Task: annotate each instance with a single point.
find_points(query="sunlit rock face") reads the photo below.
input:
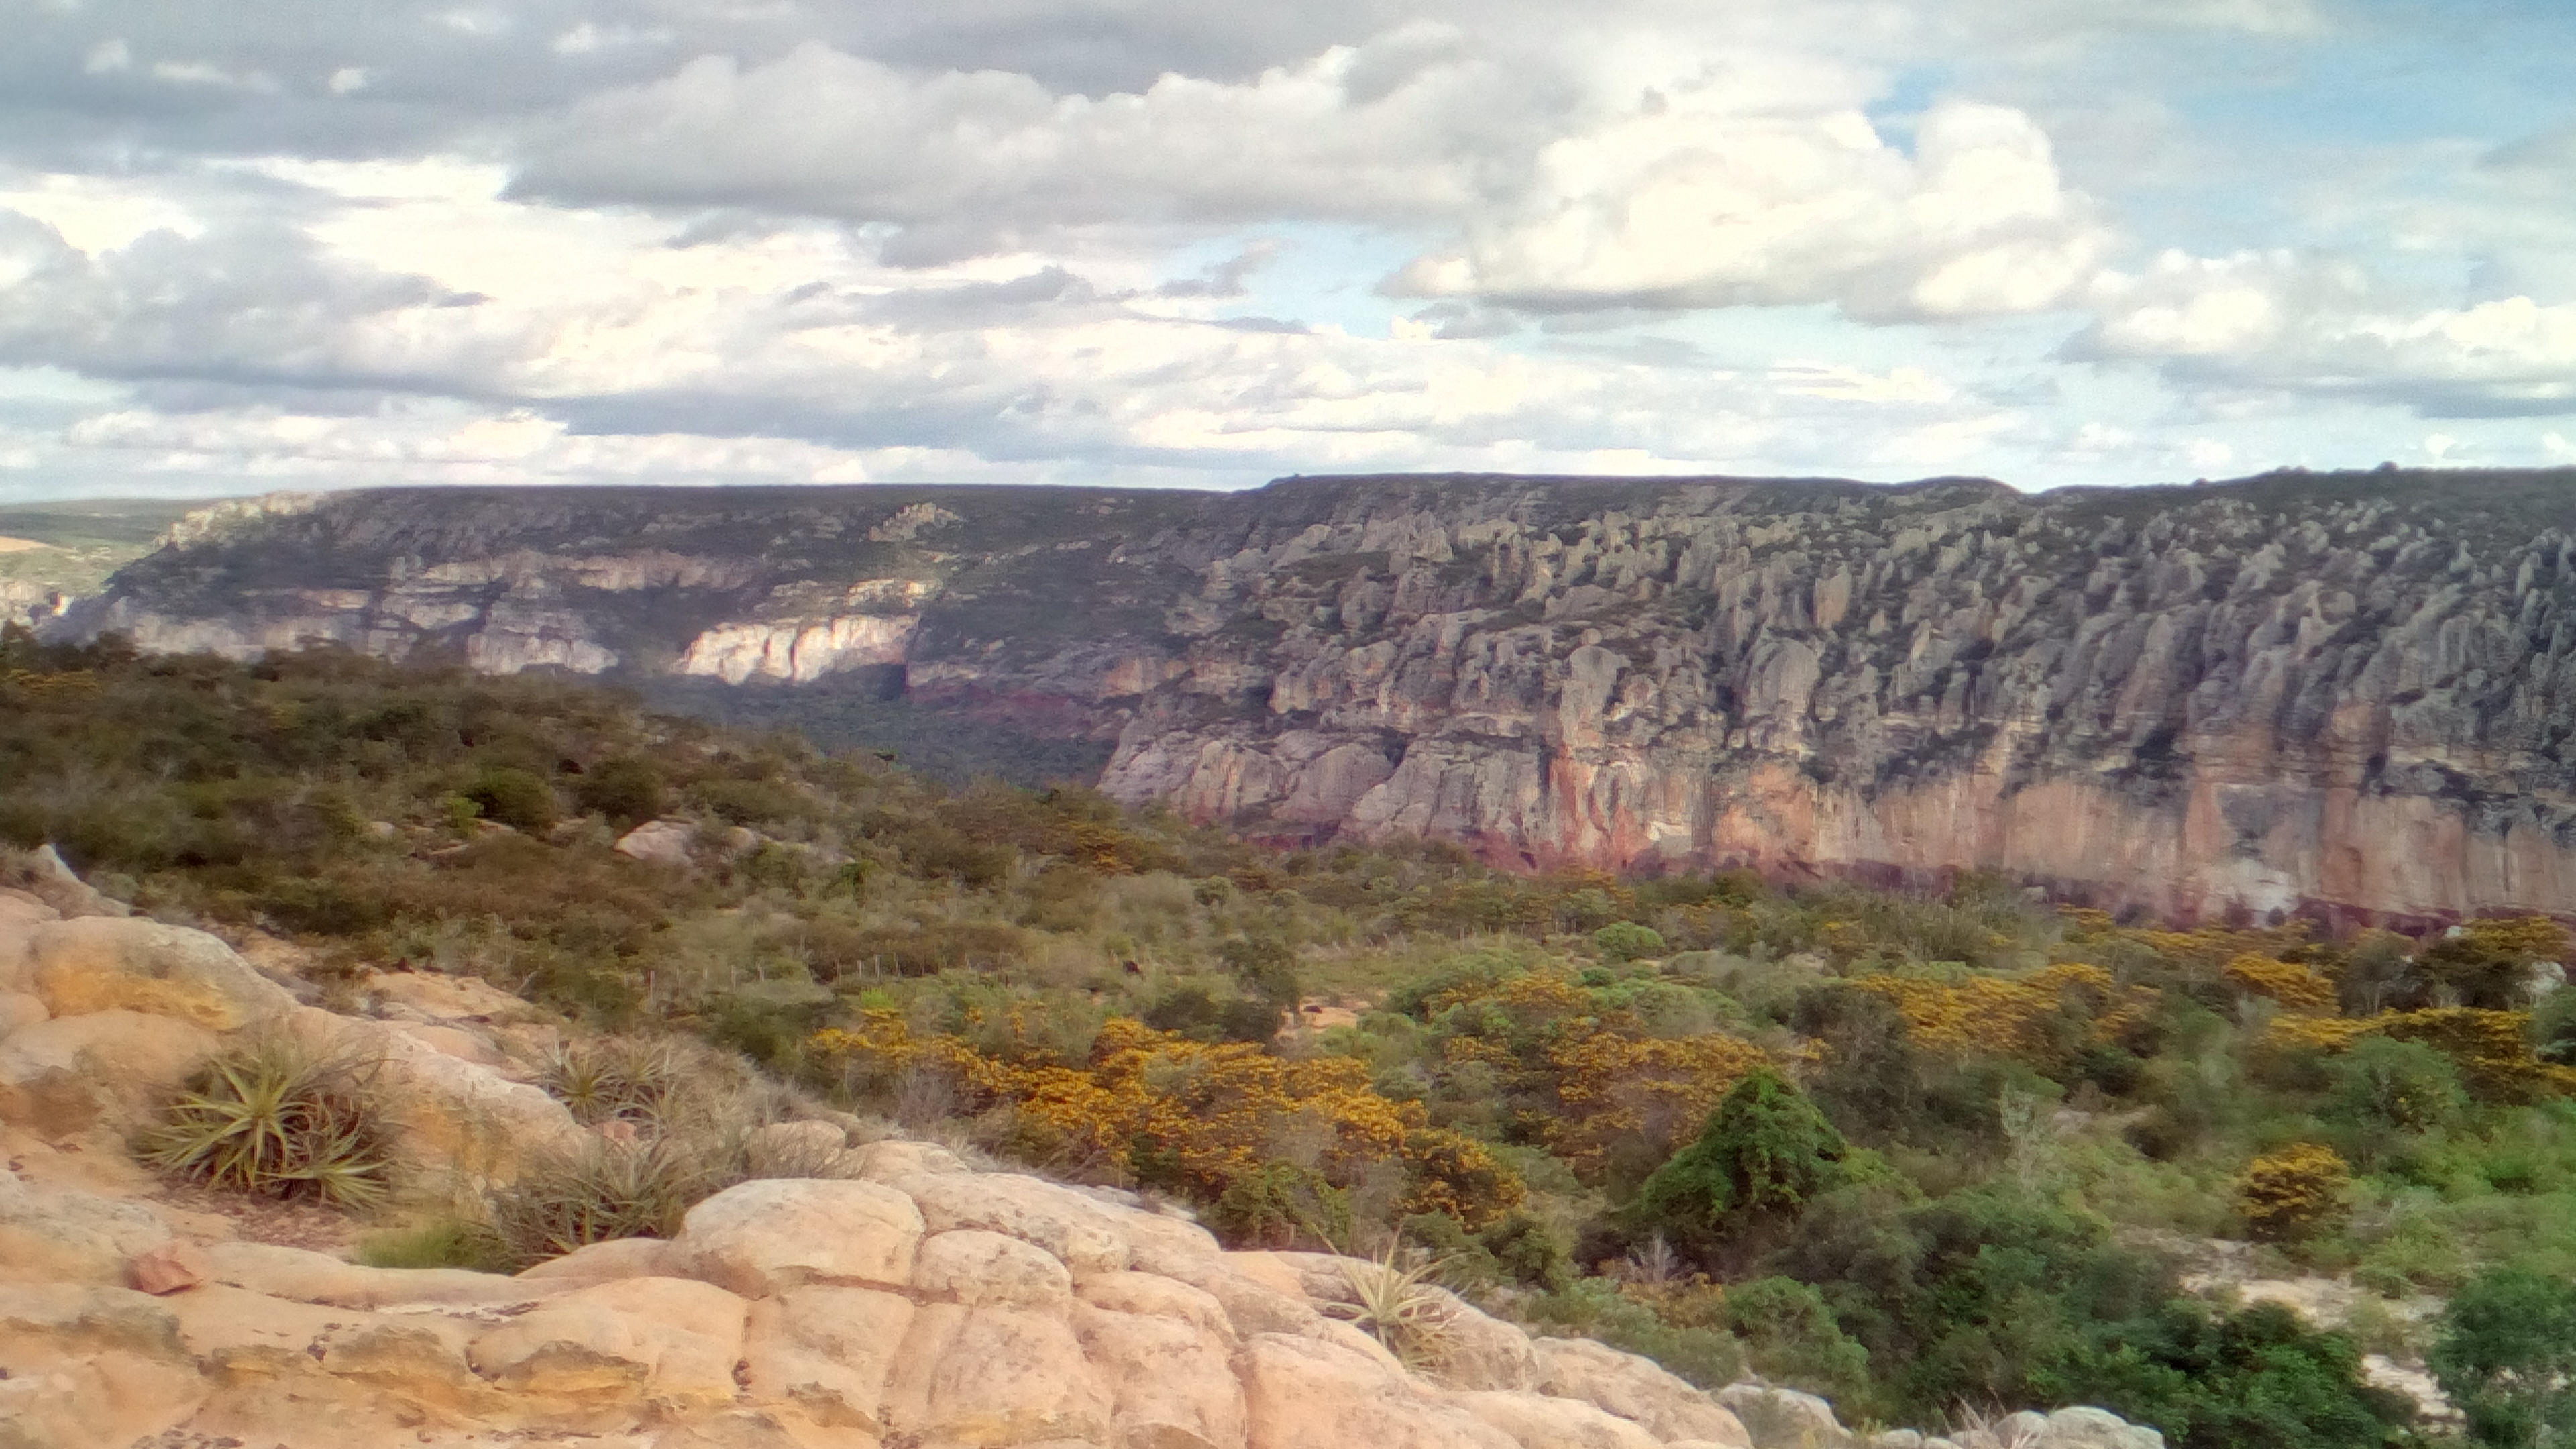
(2299, 691)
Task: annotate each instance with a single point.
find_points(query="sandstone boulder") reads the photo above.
(107, 1068)
(1156, 1296)
(42, 876)
(983, 1269)
(970, 1376)
(1784, 1417)
(895, 1159)
(1536, 1421)
(800, 1149)
(1082, 1233)
(20, 1009)
(106, 963)
(1170, 1376)
(661, 842)
(1635, 1389)
(772, 1234)
(448, 1115)
(2090, 1428)
(829, 1350)
(62, 1235)
(674, 1341)
(1304, 1392)
(600, 1262)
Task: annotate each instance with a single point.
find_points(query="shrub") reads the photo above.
(275, 1119)
(1789, 1335)
(514, 798)
(1762, 1156)
(2400, 1086)
(1593, 1308)
(625, 789)
(1627, 941)
(2293, 1193)
(2213, 1380)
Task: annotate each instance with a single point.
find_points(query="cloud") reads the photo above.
(967, 161)
(1691, 201)
(2284, 320)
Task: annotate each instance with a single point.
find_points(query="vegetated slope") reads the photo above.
(1896, 1148)
(2342, 692)
(54, 553)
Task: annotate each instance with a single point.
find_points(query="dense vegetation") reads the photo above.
(1930, 1155)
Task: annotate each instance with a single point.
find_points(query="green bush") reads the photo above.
(1763, 1155)
(627, 790)
(1627, 941)
(2506, 1356)
(1790, 1337)
(2379, 1083)
(514, 798)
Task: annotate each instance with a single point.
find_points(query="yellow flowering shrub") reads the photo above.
(2493, 1048)
(1205, 1116)
(1619, 1089)
(2210, 949)
(2296, 987)
(1595, 1081)
(2031, 1017)
(2293, 1192)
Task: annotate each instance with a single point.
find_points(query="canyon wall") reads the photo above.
(2348, 692)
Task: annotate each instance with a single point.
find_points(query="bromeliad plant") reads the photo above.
(276, 1119)
(1401, 1307)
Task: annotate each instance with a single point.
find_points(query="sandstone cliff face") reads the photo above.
(2341, 691)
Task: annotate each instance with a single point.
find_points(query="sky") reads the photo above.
(300, 244)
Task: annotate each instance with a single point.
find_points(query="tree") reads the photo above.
(2397, 1086)
(2507, 1358)
(1764, 1153)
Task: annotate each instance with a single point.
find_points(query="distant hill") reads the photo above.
(51, 553)
(2341, 692)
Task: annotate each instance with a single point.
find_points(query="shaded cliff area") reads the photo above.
(2348, 692)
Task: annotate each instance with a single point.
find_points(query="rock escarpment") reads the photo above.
(2353, 692)
(895, 1298)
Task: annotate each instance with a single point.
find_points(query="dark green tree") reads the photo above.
(1763, 1155)
(2507, 1358)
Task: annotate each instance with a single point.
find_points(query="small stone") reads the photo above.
(170, 1267)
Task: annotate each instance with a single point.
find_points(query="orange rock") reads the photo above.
(171, 1267)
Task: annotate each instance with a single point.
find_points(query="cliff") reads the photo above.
(2342, 692)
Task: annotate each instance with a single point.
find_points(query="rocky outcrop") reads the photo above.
(815, 1314)
(798, 651)
(102, 1017)
(2350, 692)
